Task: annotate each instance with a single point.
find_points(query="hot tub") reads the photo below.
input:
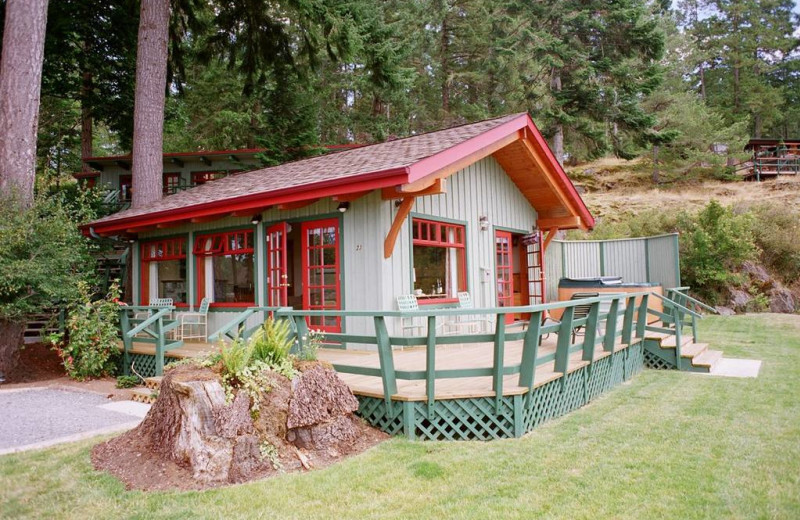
(607, 284)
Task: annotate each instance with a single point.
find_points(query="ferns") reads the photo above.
(272, 342)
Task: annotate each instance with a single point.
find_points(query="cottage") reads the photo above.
(347, 241)
(460, 210)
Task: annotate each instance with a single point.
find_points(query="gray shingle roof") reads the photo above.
(391, 155)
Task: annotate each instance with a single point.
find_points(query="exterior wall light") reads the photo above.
(343, 206)
(484, 223)
(256, 219)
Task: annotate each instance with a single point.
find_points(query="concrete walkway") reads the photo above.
(33, 418)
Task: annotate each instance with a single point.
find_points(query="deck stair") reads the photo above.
(674, 344)
(148, 393)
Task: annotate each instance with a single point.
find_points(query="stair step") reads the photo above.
(669, 342)
(707, 358)
(656, 335)
(153, 383)
(144, 395)
(693, 350)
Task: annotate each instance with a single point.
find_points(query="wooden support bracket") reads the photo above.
(559, 222)
(435, 187)
(399, 218)
(551, 233)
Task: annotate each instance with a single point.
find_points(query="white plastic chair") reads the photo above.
(471, 322)
(408, 303)
(197, 320)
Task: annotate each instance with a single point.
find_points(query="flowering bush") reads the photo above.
(90, 345)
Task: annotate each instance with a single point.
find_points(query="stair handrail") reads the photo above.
(693, 300)
(238, 320)
(160, 313)
(677, 305)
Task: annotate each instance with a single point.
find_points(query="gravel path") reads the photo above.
(33, 416)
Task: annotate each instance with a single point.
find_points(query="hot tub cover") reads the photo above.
(600, 281)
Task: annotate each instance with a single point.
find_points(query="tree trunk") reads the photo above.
(11, 339)
(20, 88)
(86, 112)
(558, 136)
(445, 42)
(656, 175)
(703, 82)
(87, 121)
(148, 112)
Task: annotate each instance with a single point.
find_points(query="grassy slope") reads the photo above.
(615, 187)
(666, 445)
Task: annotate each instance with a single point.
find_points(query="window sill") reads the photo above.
(436, 301)
(225, 305)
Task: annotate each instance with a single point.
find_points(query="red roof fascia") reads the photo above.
(365, 182)
(179, 154)
(561, 175)
(85, 175)
(447, 157)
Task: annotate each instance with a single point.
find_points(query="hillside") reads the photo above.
(615, 188)
(743, 255)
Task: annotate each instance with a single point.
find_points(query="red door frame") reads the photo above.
(308, 251)
(504, 271)
(277, 275)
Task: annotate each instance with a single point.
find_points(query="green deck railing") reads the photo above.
(601, 326)
(147, 324)
(237, 327)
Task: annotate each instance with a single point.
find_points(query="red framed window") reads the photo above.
(439, 268)
(125, 187)
(163, 270)
(172, 182)
(199, 178)
(226, 268)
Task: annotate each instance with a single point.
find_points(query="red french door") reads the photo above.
(277, 269)
(504, 270)
(321, 286)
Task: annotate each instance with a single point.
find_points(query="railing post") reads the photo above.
(627, 320)
(564, 341)
(590, 332)
(530, 351)
(302, 332)
(386, 361)
(678, 338)
(125, 326)
(499, 351)
(694, 329)
(641, 317)
(430, 365)
(159, 330)
(611, 326)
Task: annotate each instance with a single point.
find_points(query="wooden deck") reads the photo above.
(448, 357)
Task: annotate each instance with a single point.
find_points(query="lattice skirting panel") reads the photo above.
(145, 364)
(654, 361)
(485, 419)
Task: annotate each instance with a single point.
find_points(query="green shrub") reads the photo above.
(778, 237)
(714, 244)
(127, 381)
(89, 347)
(272, 341)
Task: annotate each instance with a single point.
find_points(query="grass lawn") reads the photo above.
(666, 445)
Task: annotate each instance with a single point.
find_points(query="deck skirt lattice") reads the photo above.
(481, 419)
